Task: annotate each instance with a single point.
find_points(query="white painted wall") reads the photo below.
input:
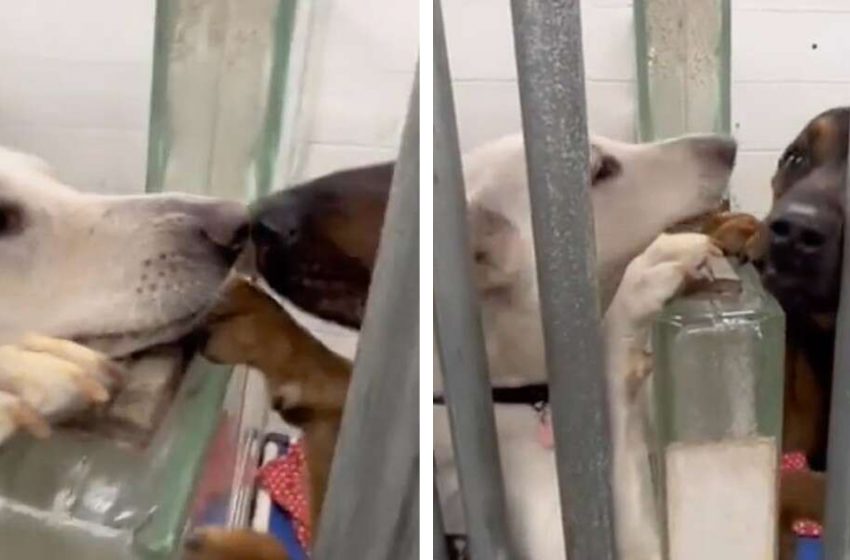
(779, 81)
(75, 87)
(76, 79)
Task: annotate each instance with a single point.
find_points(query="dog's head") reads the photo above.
(117, 273)
(317, 242)
(802, 261)
(637, 191)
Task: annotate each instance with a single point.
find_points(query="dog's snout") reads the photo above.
(279, 221)
(226, 225)
(720, 149)
(803, 236)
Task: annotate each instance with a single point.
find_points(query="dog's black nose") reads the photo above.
(278, 220)
(804, 237)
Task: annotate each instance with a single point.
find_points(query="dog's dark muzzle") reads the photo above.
(803, 260)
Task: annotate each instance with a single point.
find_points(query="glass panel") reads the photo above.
(683, 66)
(220, 69)
(82, 496)
(718, 385)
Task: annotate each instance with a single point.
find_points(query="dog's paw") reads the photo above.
(226, 544)
(45, 378)
(659, 273)
(737, 235)
(238, 328)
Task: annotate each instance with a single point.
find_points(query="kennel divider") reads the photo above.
(837, 520)
(459, 335)
(548, 42)
(440, 546)
(372, 505)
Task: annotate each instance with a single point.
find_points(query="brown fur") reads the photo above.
(338, 220)
(810, 333)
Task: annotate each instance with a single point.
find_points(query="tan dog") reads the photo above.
(316, 244)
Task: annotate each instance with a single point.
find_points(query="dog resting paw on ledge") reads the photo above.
(89, 279)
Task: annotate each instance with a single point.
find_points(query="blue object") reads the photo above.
(809, 548)
(281, 526)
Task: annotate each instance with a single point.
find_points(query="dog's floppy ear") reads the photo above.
(496, 250)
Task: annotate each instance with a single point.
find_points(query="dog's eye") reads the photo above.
(793, 160)
(11, 220)
(607, 168)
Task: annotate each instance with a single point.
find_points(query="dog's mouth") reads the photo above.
(120, 344)
(696, 222)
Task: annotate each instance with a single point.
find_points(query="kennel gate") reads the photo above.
(547, 37)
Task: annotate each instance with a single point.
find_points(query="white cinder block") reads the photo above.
(480, 40)
(361, 108)
(487, 110)
(92, 30)
(61, 93)
(353, 40)
(792, 5)
(321, 159)
(750, 185)
(97, 160)
(791, 46)
(767, 116)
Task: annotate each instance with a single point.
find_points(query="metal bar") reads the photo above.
(372, 505)
(460, 339)
(440, 550)
(837, 524)
(547, 37)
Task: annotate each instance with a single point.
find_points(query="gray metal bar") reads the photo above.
(837, 524)
(440, 550)
(547, 37)
(372, 506)
(460, 340)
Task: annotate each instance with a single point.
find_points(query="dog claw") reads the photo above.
(16, 414)
(28, 418)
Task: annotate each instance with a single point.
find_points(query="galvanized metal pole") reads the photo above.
(440, 550)
(837, 527)
(372, 506)
(547, 37)
(459, 336)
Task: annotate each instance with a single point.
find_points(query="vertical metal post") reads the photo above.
(547, 36)
(837, 529)
(371, 509)
(460, 339)
(440, 550)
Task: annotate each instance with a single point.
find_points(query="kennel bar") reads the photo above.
(372, 505)
(837, 522)
(440, 550)
(460, 339)
(548, 42)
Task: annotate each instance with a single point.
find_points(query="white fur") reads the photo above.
(659, 185)
(112, 274)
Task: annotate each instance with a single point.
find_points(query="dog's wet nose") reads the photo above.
(800, 234)
(721, 149)
(278, 220)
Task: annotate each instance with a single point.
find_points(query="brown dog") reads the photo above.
(798, 250)
(316, 245)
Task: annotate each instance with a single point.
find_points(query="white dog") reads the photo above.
(637, 192)
(90, 277)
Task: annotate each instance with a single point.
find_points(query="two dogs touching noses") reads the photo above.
(316, 245)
